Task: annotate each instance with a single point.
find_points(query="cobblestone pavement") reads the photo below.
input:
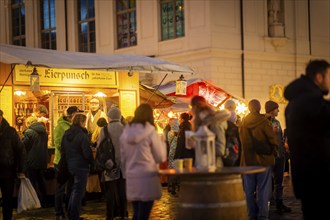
(163, 209)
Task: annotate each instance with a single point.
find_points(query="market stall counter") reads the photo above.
(212, 194)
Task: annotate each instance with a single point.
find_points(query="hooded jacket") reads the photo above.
(77, 149)
(261, 129)
(12, 151)
(308, 128)
(141, 151)
(115, 129)
(35, 139)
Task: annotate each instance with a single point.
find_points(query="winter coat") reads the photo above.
(61, 127)
(77, 150)
(12, 152)
(308, 128)
(35, 139)
(181, 150)
(216, 121)
(141, 151)
(115, 129)
(261, 128)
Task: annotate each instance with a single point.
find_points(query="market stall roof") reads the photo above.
(154, 97)
(11, 54)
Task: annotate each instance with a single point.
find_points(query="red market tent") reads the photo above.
(215, 95)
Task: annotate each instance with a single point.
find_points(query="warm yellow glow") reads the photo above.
(241, 108)
(19, 93)
(170, 114)
(100, 94)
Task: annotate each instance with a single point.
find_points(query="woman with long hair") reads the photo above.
(141, 151)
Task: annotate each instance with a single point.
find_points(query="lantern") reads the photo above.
(34, 81)
(181, 86)
(205, 149)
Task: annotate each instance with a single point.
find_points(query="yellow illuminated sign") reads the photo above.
(63, 77)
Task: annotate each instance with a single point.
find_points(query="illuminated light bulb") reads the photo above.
(19, 93)
(100, 94)
(241, 108)
(171, 114)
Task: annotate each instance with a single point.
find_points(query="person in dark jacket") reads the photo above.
(308, 127)
(258, 186)
(35, 139)
(79, 157)
(272, 110)
(181, 150)
(12, 162)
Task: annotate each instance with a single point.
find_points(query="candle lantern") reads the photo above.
(181, 86)
(205, 149)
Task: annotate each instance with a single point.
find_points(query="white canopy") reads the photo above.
(11, 54)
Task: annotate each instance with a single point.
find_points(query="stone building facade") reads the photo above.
(250, 48)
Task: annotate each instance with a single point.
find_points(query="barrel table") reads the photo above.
(212, 194)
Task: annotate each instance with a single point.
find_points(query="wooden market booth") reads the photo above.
(72, 78)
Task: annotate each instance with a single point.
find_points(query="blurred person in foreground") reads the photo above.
(79, 157)
(141, 151)
(63, 124)
(257, 129)
(12, 162)
(308, 127)
(216, 121)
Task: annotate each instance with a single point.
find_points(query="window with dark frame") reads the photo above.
(48, 24)
(126, 23)
(86, 26)
(172, 19)
(18, 22)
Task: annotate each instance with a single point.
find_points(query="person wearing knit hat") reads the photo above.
(114, 113)
(270, 106)
(256, 126)
(272, 111)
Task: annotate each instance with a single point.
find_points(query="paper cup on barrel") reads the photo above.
(187, 163)
(178, 164)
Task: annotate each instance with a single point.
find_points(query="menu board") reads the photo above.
(128, 99)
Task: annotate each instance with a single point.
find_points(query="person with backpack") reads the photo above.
(259, 148)
(108, 160)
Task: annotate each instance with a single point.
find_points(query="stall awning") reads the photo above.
(11, 54)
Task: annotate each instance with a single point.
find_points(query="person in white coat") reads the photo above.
(142, 150)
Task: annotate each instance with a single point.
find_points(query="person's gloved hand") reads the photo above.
(109, 164)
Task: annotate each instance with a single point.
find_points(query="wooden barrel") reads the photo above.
(212, 197)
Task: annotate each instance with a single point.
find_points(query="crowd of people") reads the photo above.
(128, 170)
